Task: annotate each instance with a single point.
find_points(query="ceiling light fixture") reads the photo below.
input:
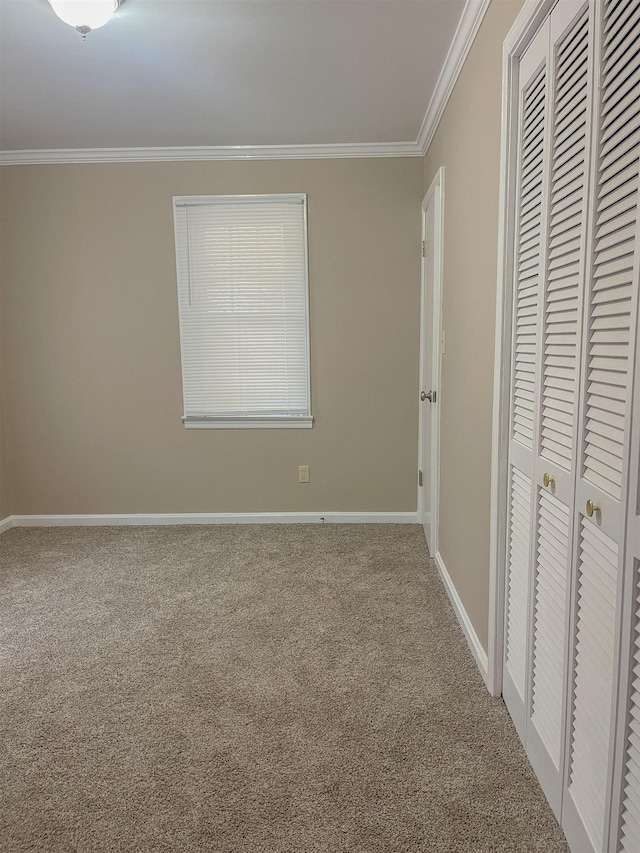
(85, 15)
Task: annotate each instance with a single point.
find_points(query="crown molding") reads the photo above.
(229, 152)
(472, 15)
(465, 34)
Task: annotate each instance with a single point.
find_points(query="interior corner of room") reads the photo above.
(473, 367)
(91, 377)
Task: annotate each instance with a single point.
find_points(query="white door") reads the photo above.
(571, 667)
(527, 290)
(625, 823)
(558, 377)
(430, 352)
(602, 489)
(571, 658)
(549, 268)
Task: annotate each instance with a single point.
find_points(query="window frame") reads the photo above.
(255, 420)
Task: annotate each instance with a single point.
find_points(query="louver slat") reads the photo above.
(609, 322)
(630, 821)
(616, 15)
(561, 315)
(527, 260)
(548, 628)
(517, 577)
(593, 679)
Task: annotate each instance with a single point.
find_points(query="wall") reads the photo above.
(91, 357)
(5, 499)
(467, 143)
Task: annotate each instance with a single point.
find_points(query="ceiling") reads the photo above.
(222, 73)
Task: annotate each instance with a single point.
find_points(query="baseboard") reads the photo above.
(6, 524)
(137, 519)
(474, 643)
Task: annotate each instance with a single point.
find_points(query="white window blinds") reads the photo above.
(243, 302)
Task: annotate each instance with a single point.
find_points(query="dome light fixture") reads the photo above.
(85, 15)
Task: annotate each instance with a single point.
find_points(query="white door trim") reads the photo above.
(520, 36)
(435, 193)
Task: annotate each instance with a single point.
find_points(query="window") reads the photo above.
(244, 310)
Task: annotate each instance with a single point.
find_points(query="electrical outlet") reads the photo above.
(303, 473)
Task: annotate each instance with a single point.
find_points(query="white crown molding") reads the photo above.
(472, 15)
(229, 152)
(465, 33)
(152, 519)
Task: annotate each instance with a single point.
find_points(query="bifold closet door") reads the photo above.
(602, 486)
(621, 156)
(527, 287)
(572, 588)
(625, 823)
(560, 324)
(549, 272)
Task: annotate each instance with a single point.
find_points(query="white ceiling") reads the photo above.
(222, 73)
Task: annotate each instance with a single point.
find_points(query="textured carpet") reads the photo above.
(244, 688)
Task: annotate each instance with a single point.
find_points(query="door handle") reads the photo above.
(430, 396)
(591, 508)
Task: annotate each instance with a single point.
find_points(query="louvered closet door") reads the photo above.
(605, 408)
(527, 287)
(570, 68)
(625, 823)
(625, 813)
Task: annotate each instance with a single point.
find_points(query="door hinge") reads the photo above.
(419, 478)
(424, 248)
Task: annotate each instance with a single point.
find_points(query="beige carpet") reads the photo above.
(274, 689)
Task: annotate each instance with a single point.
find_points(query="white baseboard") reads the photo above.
(137, 519)
(6, 524)
(474, 643)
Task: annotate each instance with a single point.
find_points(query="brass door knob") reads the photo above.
(591, 508)
(548, 480)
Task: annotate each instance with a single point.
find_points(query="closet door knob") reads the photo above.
(591, 508)
(548, 480)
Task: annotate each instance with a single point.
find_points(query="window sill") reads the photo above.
(273, 422)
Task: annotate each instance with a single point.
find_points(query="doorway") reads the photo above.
(431, 338)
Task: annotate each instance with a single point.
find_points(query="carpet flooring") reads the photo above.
(248, 689)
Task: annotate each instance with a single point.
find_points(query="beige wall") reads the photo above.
(90, 343)
(90, 346)
(467, 143)
(5, 497)
(5, 501)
